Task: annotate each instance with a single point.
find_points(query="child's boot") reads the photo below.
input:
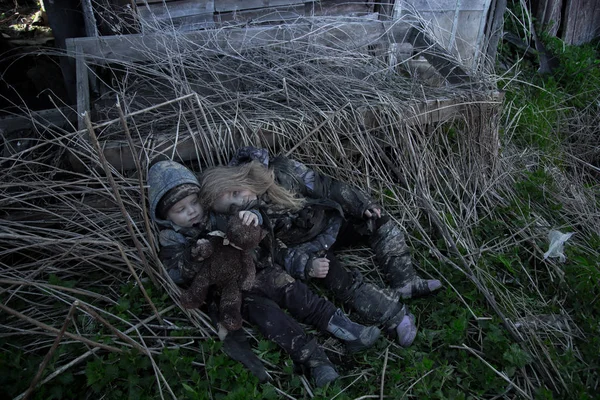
(406, 330)
(356, 337)
(313, 358)
(394, 258)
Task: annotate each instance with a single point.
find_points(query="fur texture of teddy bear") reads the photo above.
(227, 263)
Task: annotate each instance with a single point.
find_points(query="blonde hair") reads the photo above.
(251, 176)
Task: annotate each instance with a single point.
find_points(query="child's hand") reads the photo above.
(373, 211)
(248, 218)
(319, 268)
(201, 250)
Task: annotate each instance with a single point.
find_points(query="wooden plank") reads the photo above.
(582, 21)
(141, 3)
(237, 5)
(83, 88)
(348, 35)
(339, 8)
(52, 118)
(175, 9)
(440, 5)
(262, 16)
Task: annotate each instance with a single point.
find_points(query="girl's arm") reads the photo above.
(297, 259)
(295, 176)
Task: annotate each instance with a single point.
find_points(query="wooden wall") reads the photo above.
(575, 21)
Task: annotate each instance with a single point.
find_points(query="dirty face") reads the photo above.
(186, 212)
(230, 202)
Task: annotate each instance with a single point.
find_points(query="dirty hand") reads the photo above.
(248, 218)
(198, 252)
(319, 268)
(373, 211)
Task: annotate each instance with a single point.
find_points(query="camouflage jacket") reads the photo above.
(297, 238)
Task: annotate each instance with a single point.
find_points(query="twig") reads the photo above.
(138, 166)
(385, 361)
(53, 348)
(139, 282)
(308, 135)
(500, 374)
(118, 198)
(53, 329)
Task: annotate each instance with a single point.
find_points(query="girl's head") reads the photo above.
(227, 189)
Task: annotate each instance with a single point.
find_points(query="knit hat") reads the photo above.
(173, 196)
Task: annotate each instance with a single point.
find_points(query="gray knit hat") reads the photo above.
(173, 196)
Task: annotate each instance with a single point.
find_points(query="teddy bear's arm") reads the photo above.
(248, 272)
(202, 250)
(196, 294)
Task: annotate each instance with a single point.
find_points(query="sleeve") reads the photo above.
(175, 254)
(296, 259)
(295, 176)
(249, 153)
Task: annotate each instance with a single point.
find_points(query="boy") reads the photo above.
(174, 205)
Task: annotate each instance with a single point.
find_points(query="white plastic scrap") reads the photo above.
(557, 240)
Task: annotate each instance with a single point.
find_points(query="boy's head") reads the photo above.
(173, 194)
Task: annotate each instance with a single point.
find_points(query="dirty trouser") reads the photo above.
(372, 304)
(298, 299)
(278, 326)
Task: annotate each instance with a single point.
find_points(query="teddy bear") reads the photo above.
(227, 263)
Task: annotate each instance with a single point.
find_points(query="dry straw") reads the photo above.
(342, 111)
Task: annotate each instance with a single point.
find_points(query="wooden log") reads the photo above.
(132, 48)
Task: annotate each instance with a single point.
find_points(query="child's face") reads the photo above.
(186, 212)
(230, 202)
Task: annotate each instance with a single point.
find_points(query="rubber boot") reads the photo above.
(311, 357)
(375, 305)
(355, 336)
(393, 256)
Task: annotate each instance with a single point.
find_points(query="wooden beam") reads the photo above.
(55, 117)
(238, 5)
(83, 88)
(131, 48)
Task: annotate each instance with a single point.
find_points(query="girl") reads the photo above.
(309, 213)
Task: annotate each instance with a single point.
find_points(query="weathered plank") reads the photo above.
(56, 117)
(339, 8)
(582, 21)
(175, 9)
(441, 5)
(347, 35)
(83, 88)
(236, 5)
(262, 15)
